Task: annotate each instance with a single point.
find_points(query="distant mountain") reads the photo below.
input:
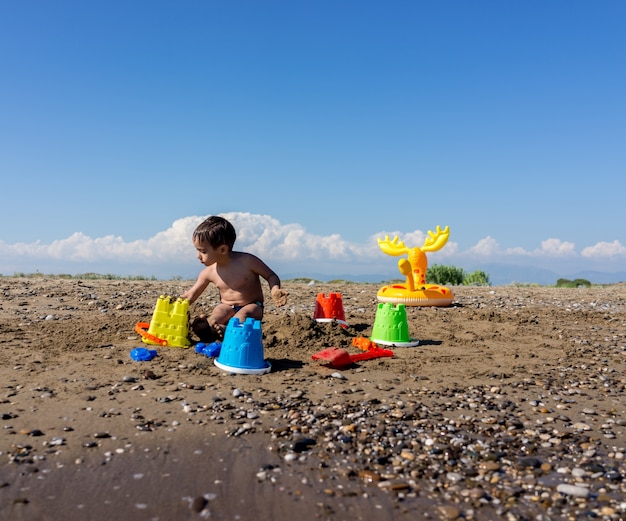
(499, 275)
(505, 274)
(370, 278)
(599, 277)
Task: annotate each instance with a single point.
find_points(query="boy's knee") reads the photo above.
(250, 311)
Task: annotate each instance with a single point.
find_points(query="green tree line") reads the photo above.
(451, 275)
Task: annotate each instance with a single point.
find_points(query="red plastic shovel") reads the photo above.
(338, 358)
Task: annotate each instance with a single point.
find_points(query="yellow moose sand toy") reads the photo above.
(415, 292)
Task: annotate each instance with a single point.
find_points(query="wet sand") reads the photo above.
(511, 406)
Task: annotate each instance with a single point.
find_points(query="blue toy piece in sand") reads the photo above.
(211, 350)
(141, 354)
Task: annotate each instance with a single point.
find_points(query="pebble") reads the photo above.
(454, 476)
(489, 466)
(572, 490)
(449, 512)
(302, 444)
(368, 476)
(199, 504)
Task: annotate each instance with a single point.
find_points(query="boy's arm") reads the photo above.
(279, 295)
(196, 290)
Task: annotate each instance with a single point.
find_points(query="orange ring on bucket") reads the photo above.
(141, 329)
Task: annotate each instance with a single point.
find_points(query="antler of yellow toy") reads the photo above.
(436, 241)
(414, 268)
(392, 247)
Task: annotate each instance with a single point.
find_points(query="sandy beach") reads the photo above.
(511, 406)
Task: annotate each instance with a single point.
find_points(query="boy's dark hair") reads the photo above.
(215, 231)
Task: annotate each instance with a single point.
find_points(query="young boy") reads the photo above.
(235, 274)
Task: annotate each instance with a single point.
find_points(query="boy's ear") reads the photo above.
(223, 249)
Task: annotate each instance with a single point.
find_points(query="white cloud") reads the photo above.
(269, 239)
(556, 248)
(485, 247)
(604, 249)
(489, 248)
(289, 246)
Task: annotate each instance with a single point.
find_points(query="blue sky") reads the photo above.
(318, 126)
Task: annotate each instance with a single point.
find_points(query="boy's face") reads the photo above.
(207, 255)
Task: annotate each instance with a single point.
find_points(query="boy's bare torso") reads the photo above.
(236, 280)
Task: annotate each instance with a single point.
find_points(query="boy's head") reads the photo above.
(215, 231)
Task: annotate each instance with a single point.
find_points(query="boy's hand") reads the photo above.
(279, 296)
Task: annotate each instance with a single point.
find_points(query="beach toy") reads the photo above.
(242, 348)
(329, 308)
(391, 327)
(339, 358)
(211, 350)
(364, 344)
(141, 354)
(142, 329)
(415, 292)
(169, 325)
